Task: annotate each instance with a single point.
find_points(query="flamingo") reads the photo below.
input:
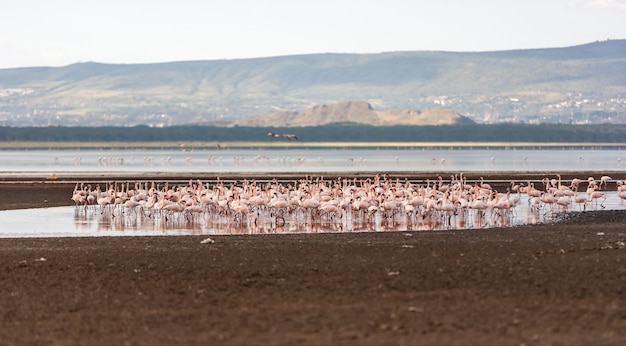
(564, 202)
(173, 208)
(593, 194)
(446, 206)
(575, 183)
(548, 199)
(359, 200)
(103, 201)
(79, 196)
(503, 204)
(131, 204)
(329, 209)
(409, 210)
(604, 180)
(532, 192)
(479, 205)
(278, 202)
(580, 200)
(621, 194)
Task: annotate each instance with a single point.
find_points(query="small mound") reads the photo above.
(357, 112)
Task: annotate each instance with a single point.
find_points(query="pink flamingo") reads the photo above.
(604, 180)
(622, 195)
(580, 200)
(564, 202)
(575, 183)
(593, 194)
(548, 199)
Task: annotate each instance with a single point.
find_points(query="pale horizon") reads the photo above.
(37, 33)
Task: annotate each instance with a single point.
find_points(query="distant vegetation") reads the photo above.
(581, 84)
(331, 133)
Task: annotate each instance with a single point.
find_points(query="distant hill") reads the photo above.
(580, 84)
(357, 112)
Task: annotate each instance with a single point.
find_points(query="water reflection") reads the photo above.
(91, 221)
(295, 222)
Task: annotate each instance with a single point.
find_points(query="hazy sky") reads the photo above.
(62, 32)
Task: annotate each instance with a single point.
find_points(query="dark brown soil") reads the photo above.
(541, 285)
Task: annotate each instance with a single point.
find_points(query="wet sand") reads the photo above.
(535, 285)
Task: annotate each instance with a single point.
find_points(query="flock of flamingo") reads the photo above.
(376, 203)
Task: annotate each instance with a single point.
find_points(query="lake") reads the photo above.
(311, 160)
(72, 222)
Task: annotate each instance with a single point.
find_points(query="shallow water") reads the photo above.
(72, 222)
(78, 222)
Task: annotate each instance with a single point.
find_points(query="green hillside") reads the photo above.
(585, 83)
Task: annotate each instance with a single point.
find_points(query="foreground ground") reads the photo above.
(547, 284)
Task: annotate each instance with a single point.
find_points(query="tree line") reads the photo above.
(565, 133)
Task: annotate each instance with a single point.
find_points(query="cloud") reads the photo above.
(614, 5)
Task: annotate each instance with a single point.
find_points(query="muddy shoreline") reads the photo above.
(535, 285)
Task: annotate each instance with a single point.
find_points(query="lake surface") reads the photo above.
(310, 160)
(74, 222)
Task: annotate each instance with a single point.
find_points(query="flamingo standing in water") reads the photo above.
(622, 195)
(580, 200)
(548, 199)
(621, 190)
(322, 200)
(604, 180)
(575, 183)
(593, 194)
(479, 205)
(564, 202)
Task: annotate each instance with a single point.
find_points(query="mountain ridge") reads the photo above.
(578, 84)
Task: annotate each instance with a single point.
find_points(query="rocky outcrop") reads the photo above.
(357, 112)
